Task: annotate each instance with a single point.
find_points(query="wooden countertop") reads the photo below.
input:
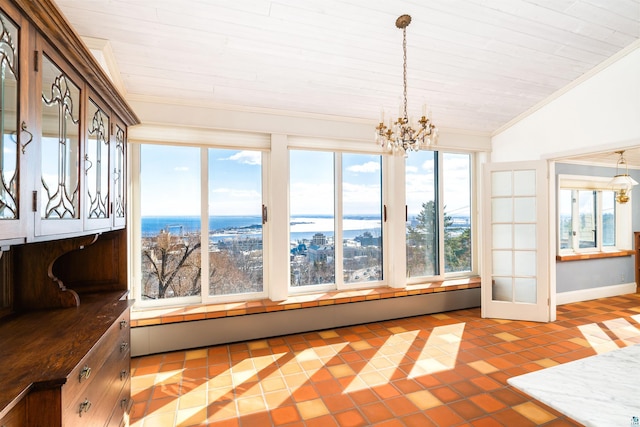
(41, 348)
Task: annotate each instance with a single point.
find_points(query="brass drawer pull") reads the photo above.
(123, 375)
(84, 407)
(123, 346)
(84, 373)
(123, 324)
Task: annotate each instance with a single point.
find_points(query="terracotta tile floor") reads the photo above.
(447, 369)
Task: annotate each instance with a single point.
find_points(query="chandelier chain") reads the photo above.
(404, 69)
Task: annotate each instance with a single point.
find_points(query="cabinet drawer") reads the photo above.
(122, 408)
(97, 402)
(115, 340)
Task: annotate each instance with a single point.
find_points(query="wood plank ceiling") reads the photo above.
(477, 63)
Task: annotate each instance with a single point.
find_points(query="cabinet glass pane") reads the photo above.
(9, 119)
(118, 175)
(361, 217)
(60, 144)
(501, 184)
(96, 163)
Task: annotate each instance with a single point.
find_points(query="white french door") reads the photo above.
(516, 233)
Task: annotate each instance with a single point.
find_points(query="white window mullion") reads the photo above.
(337, 242)
(204, 223)
(440, 208)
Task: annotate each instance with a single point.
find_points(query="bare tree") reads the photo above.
(171, 266)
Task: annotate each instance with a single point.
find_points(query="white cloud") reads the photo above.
(181, 169)
(411, 169)
(368, 167)
(247, 157)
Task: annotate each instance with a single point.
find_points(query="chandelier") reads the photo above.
(400, 136)
(622, 183)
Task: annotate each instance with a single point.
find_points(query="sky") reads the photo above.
(235, 182)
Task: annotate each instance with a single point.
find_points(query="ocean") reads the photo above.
(222, 227)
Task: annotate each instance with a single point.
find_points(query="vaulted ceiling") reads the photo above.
(477, 63)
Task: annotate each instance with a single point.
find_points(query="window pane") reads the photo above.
(235, 222)
(422, 214)
(608, 218)
(565, 223)
(362, 217)
(312, 217)
(587, 218)
(170, 210)
(456, 186)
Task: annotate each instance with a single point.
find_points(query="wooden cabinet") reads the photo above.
(64, 312)
(64, 131)
(78, 380)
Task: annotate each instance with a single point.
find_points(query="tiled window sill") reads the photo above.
(594, 255)
(148, 317)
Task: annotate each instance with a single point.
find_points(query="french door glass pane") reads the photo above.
(422, 214)
(362, 217)
(456, 194)
(587, 219)
(235, 222)
(170, 211)
(312, 217)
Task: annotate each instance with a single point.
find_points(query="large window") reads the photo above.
(190, 254)
(335, 218)
(222, 224)
(438, 197)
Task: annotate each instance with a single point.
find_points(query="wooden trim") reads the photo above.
(52, 24)
(594, 255)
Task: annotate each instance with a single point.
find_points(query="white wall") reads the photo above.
(163, 121)
(602, 110)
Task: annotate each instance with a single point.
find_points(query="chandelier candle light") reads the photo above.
(622, 183)
(400, 136)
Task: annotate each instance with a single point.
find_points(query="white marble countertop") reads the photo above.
(601, 390)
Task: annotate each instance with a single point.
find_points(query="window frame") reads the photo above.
(275, 186)
(622, 215)
(339, 283)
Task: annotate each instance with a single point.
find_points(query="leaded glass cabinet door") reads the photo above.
(119, 176)
(516, 235)
(59, 198)
(15, 141)
(97, 203)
